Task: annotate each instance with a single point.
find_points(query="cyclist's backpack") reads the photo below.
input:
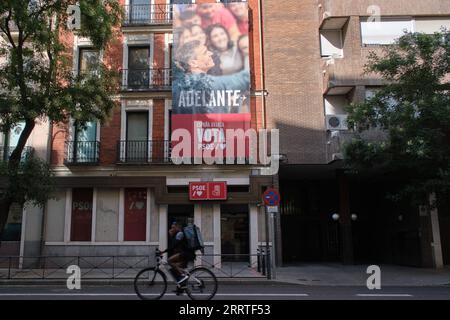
(193, 237)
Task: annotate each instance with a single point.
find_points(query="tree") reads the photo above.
(37, 82)
(413, 110)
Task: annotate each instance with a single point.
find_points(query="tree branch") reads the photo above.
(7, 31)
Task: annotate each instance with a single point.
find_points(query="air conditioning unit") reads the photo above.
(337, 122)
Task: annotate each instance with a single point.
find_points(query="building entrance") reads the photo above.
(235, 232)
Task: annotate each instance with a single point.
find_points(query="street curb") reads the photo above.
(265, 282)
(324, 284)
(107, 282)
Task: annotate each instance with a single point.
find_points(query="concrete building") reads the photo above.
(315, 51)
(24, 224)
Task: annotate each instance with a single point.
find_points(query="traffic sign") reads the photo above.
(271, 197)
(273, 209)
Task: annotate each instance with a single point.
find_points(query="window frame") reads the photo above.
(363, 19)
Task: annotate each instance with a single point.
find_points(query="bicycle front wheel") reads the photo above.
(201, 284)
(150, 284)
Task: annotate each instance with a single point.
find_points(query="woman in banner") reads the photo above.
(219, 41)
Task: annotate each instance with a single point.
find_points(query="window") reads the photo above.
(14, 134)
(389, 29)
(85, 147)
(137, 144)
(81, 222)
(181, 1)
(385, 31)
(13, 227)
(391, 102)
(331, 43)
(135, 214)
(336, 104)
(138, 67)
(228, 1)
(140, 11)
(371, 92)
(89, 60)
(11, 140)
(430, 25)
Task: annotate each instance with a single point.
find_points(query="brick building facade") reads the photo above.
(315, 52)
(129, 196)
(306, 64)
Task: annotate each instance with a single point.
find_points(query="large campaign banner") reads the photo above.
(211, 76)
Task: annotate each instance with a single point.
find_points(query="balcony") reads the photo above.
(146, 79)
(339, 77)
(82, 153)
(5, 153)
(147, 14)
(144, 152)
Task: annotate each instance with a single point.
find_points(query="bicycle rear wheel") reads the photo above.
(201, 284)
(150, 284)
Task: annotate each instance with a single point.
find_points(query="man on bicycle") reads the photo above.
(178, 252)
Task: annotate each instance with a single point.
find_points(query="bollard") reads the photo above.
(258, 260)
(269, 267)
(263, 262)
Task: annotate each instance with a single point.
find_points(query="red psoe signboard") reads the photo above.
(217, 190)
(198, 191)
(211, 80)
(81, 224)
(208, 190)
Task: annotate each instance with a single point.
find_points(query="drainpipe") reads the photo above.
(44, 208)
(22, 236)
(261, 61)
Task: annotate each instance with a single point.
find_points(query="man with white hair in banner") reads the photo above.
(197, 92)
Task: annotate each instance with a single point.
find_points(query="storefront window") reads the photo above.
(81, 224)
(235, 232)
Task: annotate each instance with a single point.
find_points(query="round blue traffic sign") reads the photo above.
(271, 197)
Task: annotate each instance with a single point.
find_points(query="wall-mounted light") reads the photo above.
(335, 216)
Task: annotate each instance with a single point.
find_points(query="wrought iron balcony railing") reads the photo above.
(143, 151)
(147, 14)
(146, 79)
(87, 73)
(82, 152)
(5, 153)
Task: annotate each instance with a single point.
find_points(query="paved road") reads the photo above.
(231, 292)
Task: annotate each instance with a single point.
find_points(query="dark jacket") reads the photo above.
(178, 244)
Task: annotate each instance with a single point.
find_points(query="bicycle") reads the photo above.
(151, 283)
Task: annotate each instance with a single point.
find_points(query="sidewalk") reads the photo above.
(340, 275)
(331, 274)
